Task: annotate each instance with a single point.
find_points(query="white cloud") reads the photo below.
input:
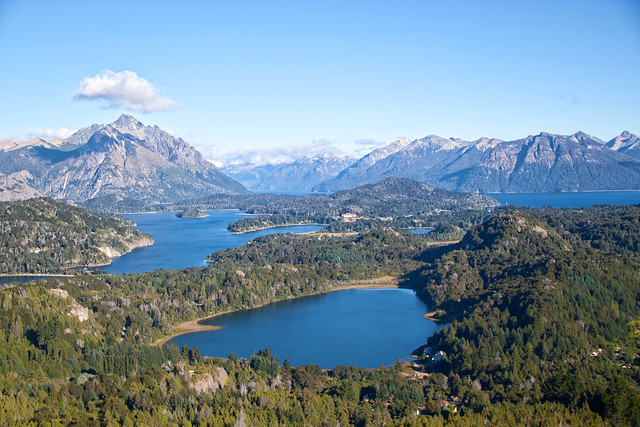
(48, 134)
(124, 90)
(269, 155)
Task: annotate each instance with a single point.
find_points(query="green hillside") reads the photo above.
(46, 236)
(542, 305)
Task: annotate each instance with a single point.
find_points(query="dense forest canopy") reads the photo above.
(46, 236)
(542, 308)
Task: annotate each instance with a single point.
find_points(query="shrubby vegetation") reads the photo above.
(45, 236)
(543, 311)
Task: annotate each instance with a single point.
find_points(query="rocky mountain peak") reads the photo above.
(544, 135)
(485, 143)
(626, 143)
(583, 137)
(439, 143)
(328, 156)
(126, 121)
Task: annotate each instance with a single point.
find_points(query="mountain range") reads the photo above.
(300, 175)
(540, 163)
(124, 158)
(127, 160)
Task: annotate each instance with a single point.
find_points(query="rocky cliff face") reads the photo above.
(14, 187)
(125, 158)
(209, 383)
(539, 163)
(547, 162)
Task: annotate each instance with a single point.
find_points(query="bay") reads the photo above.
(356, 327)
(186, 242)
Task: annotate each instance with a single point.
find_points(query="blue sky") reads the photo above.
(347, 76)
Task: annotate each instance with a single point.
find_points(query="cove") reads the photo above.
(186, 242)
(357, 327)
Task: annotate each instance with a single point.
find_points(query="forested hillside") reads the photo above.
(392, 202)
(540, 315)
(45, 236)
(542, 304)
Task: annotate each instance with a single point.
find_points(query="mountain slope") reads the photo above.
(540, 163)
(126, 159)
(302, 174)
(353, 176)
(13, 187)
(541, 315)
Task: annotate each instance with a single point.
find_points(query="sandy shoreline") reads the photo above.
(197, 325)
(188, 327)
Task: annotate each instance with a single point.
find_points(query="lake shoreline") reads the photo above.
(276, 226)
(35, 275)
(198, 325)
(188, 327)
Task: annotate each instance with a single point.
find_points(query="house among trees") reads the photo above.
(349, 217)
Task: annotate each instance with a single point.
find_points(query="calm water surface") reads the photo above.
(421, 230)
(568, 200)
(186, 242)
(356, 327)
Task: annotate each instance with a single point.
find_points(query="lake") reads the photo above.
(568, 200)
(186, 242)
(357, 327)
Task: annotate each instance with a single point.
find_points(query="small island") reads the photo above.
(192, 213)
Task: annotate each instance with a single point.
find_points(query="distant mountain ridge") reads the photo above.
(124, 158)
(540, 163)
(299, 175)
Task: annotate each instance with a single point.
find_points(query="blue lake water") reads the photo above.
(186, 242)
(421, 230)
(364, 328)
(356, 327)
(568, 200)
